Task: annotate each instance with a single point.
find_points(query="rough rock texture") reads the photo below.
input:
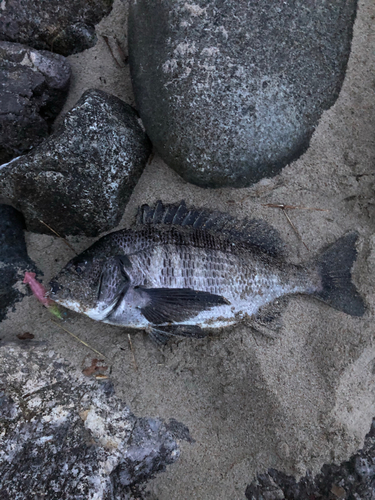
(354, 479)
(14, 260)
(68, 29)
(79, 180)
(33, 88)
(64, 434)
(230, 92)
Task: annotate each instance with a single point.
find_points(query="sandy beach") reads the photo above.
(294, 402)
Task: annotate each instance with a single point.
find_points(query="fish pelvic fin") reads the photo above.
(335, 265)
(161, 336)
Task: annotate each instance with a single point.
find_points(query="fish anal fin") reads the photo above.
(253, 232)
(173, 305)
(267, 320)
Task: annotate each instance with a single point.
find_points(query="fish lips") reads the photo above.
(55, 288)
(58, 292)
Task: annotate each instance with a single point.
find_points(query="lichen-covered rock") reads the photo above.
(33, 88)
(79, 180)
(230, 92)
(354, 479)
(64, 435)
(14, 260)
(66, 28)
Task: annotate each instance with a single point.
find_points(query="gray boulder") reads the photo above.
(14, 261)
(33, 88)
(66, 27)
(79, 180)
(64, 435)
(230, 91)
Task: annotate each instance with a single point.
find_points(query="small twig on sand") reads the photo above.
(119, 49)
(292, 207)
(284, 208)
(79, 340)
(57, 234)
(295, 230)
(131, 348)
(150, 158)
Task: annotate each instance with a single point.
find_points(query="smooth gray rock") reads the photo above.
(33, 88)
(230, 91)
(79, 180)
(14, 261)
(64, 435)
(65, 27)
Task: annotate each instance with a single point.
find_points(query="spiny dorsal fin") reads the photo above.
(254, 232)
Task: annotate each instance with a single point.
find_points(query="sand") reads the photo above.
(294, 402)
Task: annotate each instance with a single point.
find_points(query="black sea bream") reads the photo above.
(181, 272)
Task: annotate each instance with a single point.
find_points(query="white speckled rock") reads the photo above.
(86, 169)
(64, 434)
(231, 91)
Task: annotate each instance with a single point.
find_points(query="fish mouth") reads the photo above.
(70, 304)
(55, 287)
(96, 313)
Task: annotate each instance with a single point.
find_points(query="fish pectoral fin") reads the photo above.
(173, 305)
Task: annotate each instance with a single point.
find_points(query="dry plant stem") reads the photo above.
(150, 158)
(292, 207)
(295, 230)
(105, 38)
(79, 340)
(131, 348)
(284, 208)
(124, 57)
(57, 234)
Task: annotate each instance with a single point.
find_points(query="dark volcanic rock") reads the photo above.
(79, 180)
(65, 27)
(354, 479)
(64, 435)
(33, 88)
(230, 91)
(14, 260)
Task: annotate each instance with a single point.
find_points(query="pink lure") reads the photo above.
(38, 289)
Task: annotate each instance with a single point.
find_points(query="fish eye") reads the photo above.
(79, 269)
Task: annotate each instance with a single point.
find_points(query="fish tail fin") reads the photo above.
(335, 265)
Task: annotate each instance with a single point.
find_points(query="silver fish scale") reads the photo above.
(214, 271)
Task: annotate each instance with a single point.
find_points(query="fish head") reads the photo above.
(92, 283)
(76, 285)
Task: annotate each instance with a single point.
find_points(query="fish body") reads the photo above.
(180, 271)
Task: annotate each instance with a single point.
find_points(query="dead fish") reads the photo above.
(181, 272)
